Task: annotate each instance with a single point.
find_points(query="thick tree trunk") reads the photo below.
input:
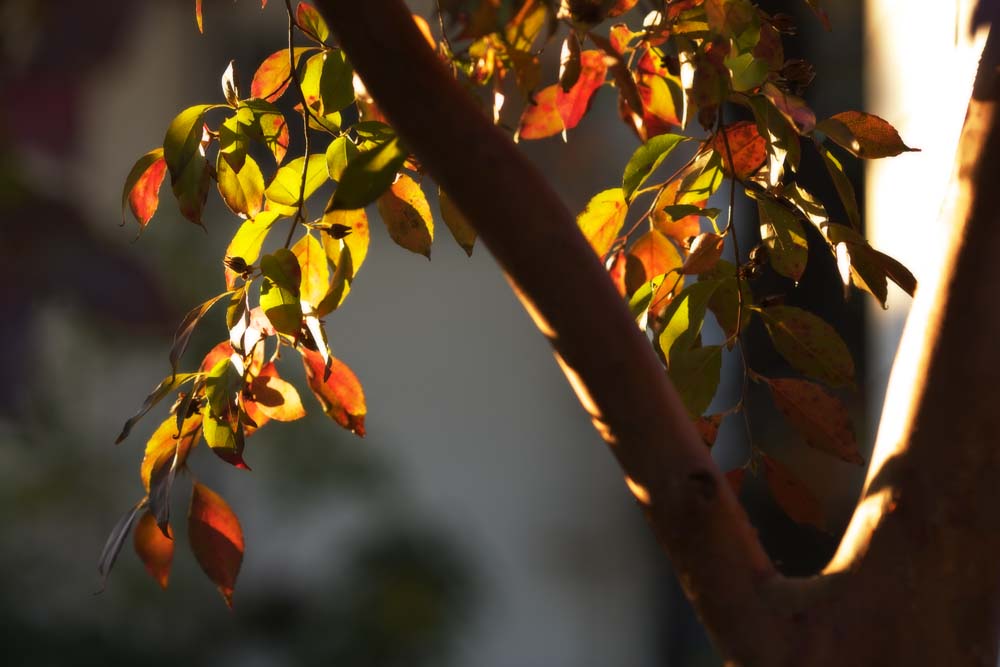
(915, 582)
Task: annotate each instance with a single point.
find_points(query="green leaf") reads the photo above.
(221, 385)
(407, 216)
(142, 187)
(286, 185)
(243, 190)
(336, 83)
(279, 291)
(809, 344)
(725, 301)
(340, 151)
(684, 317)
(642, 298)
(263, 122)
(225, 437)
(368, 175)
(458, 225)
(701, 179)
(233, 141)
(603, 218)
(866, 269)
(822, 419)
(182, 143)
(782, 235)
(646, 159)
(695, 373)
(311, 22)
(864, 135)
(842, 183)
(248, 240)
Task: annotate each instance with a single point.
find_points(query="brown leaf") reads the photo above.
(820, 418)
(216, 539)
(708, 428)
(746, 148)
(735, 478)
(155, 549)
(792, 495)
(864, 134)
(340, 394)
(704, 254)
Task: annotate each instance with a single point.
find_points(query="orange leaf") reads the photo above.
(573, 103)
(142, 187)
(155, 549)
(161, 447)
(274, 74)
(275, 397)
(864, 134)
(315, 281)
(541, 117)
(655, 254)
(621, 6)
(704, 254)
(792, 495)
(340, 395)
(216, 539)
(197, 16)
(661, 95)
(407, 215)
(746, 149)
(821, 418)
(680, 229)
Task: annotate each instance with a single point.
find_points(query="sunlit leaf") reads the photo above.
(685, 315)
(243, 190)
(864, 134)
(792, 496)
(695, 374)
(676, 221)
(311, 22)
(224, 435)
(541, 117)
(216, 539)
(340, 151)
(274, 74)
(573, 103)
(313, 266)
(234, 141)
(340, 394)
(661, 94)
(704, 253)
(783, 147)
(407, 216)
(368, 175)
(166, 386)
(820, 418)
(182, 143)
(198, 16)
(286, 186)
(741, 142)
(603, 218)
(812, 209)
(458, 225)
(248, 240)
(646, 159)
(279, 291)
(782, 235)
(809, 344)
(275, 397)
(356, 241)
(187, 326)
(113, 545)
(700, 179)
(843, 185)
(142, 187)
(165, 454)
(230, 86)
(155, 549)
(266, 125)
(621, 6)
(653, 255)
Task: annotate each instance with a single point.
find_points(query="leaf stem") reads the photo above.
(305, 124)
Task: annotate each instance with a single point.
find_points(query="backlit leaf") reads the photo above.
(243, 190)
(407, 216)
(142, 187)
(216, 539)
(286, 185)
(809, 344)
(248, 240)
(695, 374)
(700, 179)
(603, 218)
(315, 281)
(458, 225)
(268, 126)
(311, 22)
(654, 255)
(230, 86)
(356, 242)
(742, 143)
(646, 159)
(187, 326)
(569, 62)
(340, 151)
(198, 16)
(782, 235)
(864, 134)
(166, 386)
(279, 291)
(685, 316)
(113, 545)
(225, 437)
(783, 147)
(340, 395)
(182, 143)
(154, 549)
(676, 221)
(661, 93)
(540, 117)
(842, 183)
(573, 103)
(166, 454)
(274, 74)
(275, 397)
(820, 418)
(791, 107)
(792, 496)
(368, 175)
(704, 254)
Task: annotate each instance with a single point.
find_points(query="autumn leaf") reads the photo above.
(676, 221)
(275, 73)
(283, 193)
(340, 394)
(661, 94)
(741, 146)
(263, 122)
(842, 183)
(279, 291)
(603, 218)
(782, 235)
(216, 539)
(864, 135)
(695, 373)
(651, 255)
(572, 104)
(315, 281)
(821, 418)
(792, 496)
(185, 158)
(248, 241)
(243, 190)
(646, 159)
(407, 216)
(166, 452)
(142, 187)
(541, 117)
(165, 387)
(685, 316)
(115, 541)
(275, 397)
(155, 549)
(458, 225)
(704, 253)
(340, 151)
(368, 175)
(187, 326)
(311, 22)
(809, 344)
(726, 301)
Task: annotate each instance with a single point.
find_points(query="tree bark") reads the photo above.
(915, 581)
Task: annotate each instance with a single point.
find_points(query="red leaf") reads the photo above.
(661, 93)
(197, 16)
(340, 395)
(142, 187)
(274, 74)
(573, 104)
(792, 495)
(154, 549)
(864, 134)
(735, 479)
(746, 148)
(216, 539)
(621, 6)
(656, 255)
(821, 418)
(708, 428)
(679, 229)
(311, 22)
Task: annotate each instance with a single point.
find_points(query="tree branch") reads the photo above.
(562, 284)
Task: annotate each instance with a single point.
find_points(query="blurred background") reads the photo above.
(481, 522)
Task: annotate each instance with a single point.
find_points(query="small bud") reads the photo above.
(784, 24)
(337, 230)
(236, 265)
(798, 73)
